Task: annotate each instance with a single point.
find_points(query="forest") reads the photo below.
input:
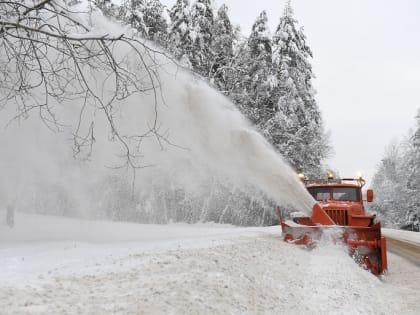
(397, 182)
(267, 74)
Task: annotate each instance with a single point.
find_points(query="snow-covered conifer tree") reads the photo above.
(413, 178)
(388, 184)
(222, 48)
(397, 182)
(180, 40)
(108, 8)
(146, 17)
(260, 81)
(201, 32)
(132, 13)
(297, 128)
(156, 24)
(414, 158)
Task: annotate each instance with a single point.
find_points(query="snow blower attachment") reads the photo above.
(340, 206)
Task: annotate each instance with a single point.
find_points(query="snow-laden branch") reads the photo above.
(6, 26)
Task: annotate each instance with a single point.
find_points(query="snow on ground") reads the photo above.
(407, 236)
(52, 265)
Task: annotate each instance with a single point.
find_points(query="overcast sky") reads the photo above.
(367, 67)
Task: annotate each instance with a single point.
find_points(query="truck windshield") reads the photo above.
(335, 193)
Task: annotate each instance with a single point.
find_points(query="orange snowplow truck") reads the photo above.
(340, 206)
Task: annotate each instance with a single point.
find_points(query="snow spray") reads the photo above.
(199, 134)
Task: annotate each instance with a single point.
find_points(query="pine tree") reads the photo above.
(222, 48)
(180, 39)
(108, 8)
(388, 184)
(397, 182)
(145, 16)
(156, 25)
(131, 13)
(237, 83)
(201, 33)
(296, 129)
(260, 81)
(413, 178)
(414, 159)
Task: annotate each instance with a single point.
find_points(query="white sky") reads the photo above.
(367, 67)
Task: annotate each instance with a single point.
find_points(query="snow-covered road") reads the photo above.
(198, 269)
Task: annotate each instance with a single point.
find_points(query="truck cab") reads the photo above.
(342, 200)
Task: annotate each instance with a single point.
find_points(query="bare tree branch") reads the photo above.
(48, 53)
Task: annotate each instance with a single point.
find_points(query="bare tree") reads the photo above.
(49, 55)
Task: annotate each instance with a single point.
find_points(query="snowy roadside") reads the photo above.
(407, 236)
(40, 244)
(200, 269)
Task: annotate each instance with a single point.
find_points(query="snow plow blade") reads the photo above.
(365, 243)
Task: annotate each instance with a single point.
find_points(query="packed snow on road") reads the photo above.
(55, 265)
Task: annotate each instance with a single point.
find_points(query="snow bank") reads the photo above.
(39, 243)
(185, 269)
(411, 237)
(38, 228)
(124, 268)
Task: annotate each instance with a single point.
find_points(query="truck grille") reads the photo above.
(338, 216)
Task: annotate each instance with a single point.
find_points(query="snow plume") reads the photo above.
(221, 141)
(201, 157)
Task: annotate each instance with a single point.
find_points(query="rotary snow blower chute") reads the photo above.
(340, 206)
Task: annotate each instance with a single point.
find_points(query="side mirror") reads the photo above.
(369, 195)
